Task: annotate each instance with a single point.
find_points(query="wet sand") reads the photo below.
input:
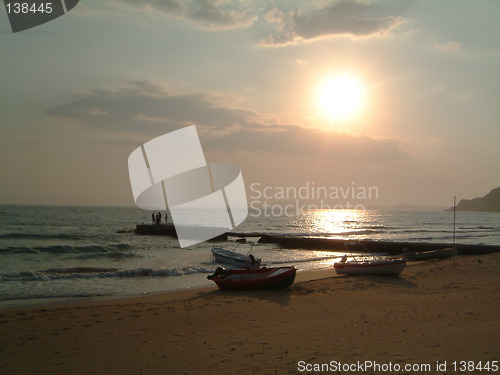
(435, 311)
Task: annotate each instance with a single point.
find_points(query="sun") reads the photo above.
(340, 97)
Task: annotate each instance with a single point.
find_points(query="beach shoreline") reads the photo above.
(435, 311)
(35, 303)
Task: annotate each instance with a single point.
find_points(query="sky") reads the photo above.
(80, 93)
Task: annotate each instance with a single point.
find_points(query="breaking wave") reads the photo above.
(38, 236)
(99, 273)
(65, 249)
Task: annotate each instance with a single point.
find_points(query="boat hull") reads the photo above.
(432, 254)
(233, 258)
(381, 267)
(263, 278)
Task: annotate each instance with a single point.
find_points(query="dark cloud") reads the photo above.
(207, 14)
(148, 108)
(346, 17)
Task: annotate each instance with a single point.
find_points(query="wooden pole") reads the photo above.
(454, 220)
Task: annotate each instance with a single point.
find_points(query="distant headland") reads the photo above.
(489, 203)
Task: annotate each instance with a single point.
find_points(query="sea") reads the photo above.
(50, 253)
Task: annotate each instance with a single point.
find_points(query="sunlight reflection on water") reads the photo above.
(335, 222)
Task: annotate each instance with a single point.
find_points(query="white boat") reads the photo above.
(370, 266)
(431, 254)
(231, 257)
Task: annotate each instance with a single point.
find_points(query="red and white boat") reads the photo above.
(254, 279)
(370, 267)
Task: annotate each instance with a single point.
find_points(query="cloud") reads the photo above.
(439, 88)
(300, 141)
(148, 108)
(206, 14)
(344, 18)
(448, 47)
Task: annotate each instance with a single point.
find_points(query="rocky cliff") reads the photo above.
(490, 203)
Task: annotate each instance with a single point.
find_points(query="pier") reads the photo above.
(321, 243)
(169, 230)
(389, 247)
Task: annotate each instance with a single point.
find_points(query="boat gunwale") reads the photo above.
(382, 263)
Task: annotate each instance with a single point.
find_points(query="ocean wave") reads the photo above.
(384, 230)
(17, 250)
(369, 230)
(479, 228)
(458, 237)
(112, 255)
(65, 249)
(41, 236)
(325, 234)
(379, 227)
(99, 273)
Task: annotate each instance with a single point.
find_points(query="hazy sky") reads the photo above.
(80, 93)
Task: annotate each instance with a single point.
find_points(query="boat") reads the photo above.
(370, 266)
(231, 257)
(430, 254)
(254, 279)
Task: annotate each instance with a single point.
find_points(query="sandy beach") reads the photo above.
(435, 311)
